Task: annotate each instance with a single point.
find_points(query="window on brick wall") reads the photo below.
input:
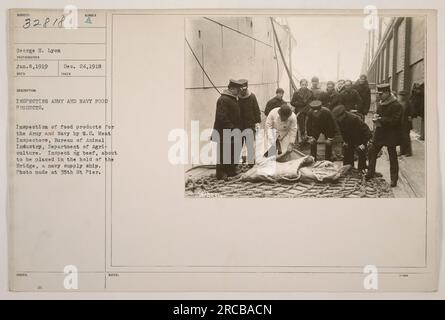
(382, 67)
(417, 73)
(401, 45)
(399, 82)
(417, 40)
(385, 63)
(391, 55)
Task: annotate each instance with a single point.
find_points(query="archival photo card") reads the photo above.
(223, 150)
(292, 107)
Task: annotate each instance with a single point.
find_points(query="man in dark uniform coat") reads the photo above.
(407, 124)
(250, 118)
(362, 87)
(387, 122)
(275, 102)
(249, 108)
(227, 119)
(321, 121)
(417, 100)
(333, 97)
(356, 135)
(351, 99)
(319, 94)
(300, 101)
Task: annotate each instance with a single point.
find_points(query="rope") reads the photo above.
(225, 86)
(278, 64)
(289, 74)
(202, 67)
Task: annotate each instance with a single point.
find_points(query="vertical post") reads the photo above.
(377, 67)
(368, 51)
(276, 59)
(387, 57)
(290, 62)
(282, 56)
(395, 52)
(338, 65)
(406, 64)
(380, 30)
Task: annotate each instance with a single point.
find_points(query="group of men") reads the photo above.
(337, 113)
(236, 109)
(313, 107)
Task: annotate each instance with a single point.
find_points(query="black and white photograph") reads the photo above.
(209, 150)
(313, 106)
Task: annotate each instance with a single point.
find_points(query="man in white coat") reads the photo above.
(281, 128)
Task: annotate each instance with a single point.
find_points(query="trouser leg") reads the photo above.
(348, 155)
(402, 144)
(235, 153)
(220, 171)
(409, 145)
(314, 148)
(227, 157)
(393, 163)
(328, 151)
(244, 150)
(362, 158)
(236, 147)
(301, 120)
(373, 152)
(337, 146)
(422, 129)
(220, 166)
(405, 146)
(230, 166)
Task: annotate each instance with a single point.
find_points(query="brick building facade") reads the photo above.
(396, 54)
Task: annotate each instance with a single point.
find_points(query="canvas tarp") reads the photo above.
(294, 166)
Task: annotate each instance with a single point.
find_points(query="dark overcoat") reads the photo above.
(320, 95)
(249, 111)
(365, 93)
(321, 122)
(301, 99)
(227, 115)
(333, 99)
(353, 130)
(273, 103)
(388, 128)
(352, 100)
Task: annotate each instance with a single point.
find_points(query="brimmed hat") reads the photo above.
(315, 104)
(243, 82)
(235, 84)
(384, 87)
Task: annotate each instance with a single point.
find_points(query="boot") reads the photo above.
(369, 176)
